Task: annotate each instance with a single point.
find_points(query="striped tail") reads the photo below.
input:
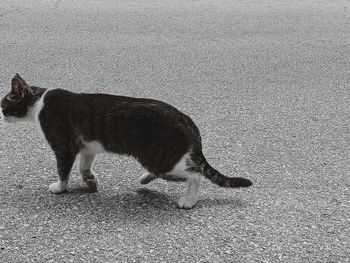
(224, 181)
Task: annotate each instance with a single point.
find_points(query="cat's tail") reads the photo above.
(224, 181)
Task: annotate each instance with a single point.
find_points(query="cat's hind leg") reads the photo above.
(190, 198)
(186, 170)
(65, 162)
(85, 163)
(147, 178)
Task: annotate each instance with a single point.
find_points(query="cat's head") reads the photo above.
(16, 104)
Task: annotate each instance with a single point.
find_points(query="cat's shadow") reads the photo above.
(134, 204)
(141, 204)
(137, 204)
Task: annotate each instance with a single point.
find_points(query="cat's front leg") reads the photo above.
(85, 164)
(65, 162)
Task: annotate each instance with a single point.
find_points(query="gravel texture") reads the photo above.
(267, 82)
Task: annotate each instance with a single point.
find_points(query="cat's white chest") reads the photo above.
(35, 111)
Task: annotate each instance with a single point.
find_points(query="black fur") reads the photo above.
(154, 132)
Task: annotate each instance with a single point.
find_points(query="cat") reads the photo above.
(164, 140)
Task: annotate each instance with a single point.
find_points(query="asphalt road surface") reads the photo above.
(267, 82)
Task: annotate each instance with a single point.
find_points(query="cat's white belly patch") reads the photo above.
(93, 147)
(180, 169)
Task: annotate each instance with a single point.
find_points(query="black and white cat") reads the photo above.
(164, 140)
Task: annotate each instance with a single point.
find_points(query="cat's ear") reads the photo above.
(21, 79)
(18, 89)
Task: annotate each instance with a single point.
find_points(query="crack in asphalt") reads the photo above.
(11, 11)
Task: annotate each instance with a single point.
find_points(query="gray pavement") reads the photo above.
(267, 82)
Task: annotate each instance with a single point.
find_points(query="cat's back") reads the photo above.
(100, 101)
(58, 97)
(81, 107)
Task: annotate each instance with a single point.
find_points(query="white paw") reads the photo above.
(57, 188)
(147, 178)
(187, 202)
